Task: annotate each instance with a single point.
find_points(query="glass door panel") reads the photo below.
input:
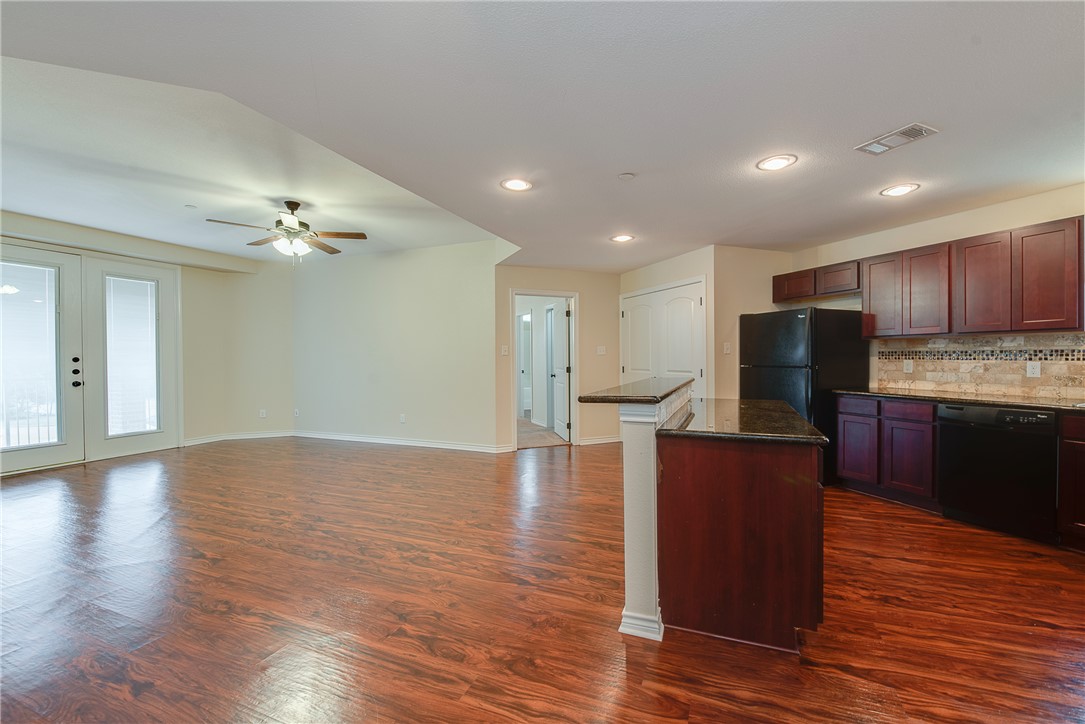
(41, 400)
(131, 307)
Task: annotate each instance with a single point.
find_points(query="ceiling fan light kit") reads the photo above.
(292, 236)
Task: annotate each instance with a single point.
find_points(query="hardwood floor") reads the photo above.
(296, 580)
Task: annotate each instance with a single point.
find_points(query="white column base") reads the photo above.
(646, 627)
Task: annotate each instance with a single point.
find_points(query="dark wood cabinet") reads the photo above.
(885, 447)
(1071, 512)
(837, 278)
(981, 283)
(882, 300)
(1045, 281)
(740, 538)
(925, 302)
(795, 285)
(1025, 280)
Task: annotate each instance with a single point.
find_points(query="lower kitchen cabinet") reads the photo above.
(1071, 512)
(886, 448)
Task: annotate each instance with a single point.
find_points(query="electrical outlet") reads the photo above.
(600, 350)
(504, 350)
(909, 366)
(727, 348)
(263, 413)
(402, 419)
(1032, 369)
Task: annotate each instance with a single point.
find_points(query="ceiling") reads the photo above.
(400, 119)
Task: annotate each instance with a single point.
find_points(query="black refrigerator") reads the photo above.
(800, 356)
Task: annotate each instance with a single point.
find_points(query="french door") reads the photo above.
(88, 354)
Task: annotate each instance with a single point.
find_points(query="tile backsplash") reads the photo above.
(985, 364)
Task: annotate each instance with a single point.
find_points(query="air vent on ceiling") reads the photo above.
(897, 138)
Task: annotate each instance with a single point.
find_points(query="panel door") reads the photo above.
(981, 283)
(925, 290)
(663, 335)
(560, 352)
(41, 356)
(882, 300)
(857, 448)
(1045, 264)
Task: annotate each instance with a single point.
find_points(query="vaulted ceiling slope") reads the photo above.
(446, 99)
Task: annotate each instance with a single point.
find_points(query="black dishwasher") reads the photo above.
(998, 468)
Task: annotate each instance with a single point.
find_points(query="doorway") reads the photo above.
(543, 328)
(89, 358)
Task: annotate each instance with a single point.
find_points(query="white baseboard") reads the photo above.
(236, 436)
(404, 441)
(599, 440)
(647, 627)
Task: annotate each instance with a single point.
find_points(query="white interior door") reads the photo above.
(663, 335)
(523, 361)
(41, 358)
(560, 351)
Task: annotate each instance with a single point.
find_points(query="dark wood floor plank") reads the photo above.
(295, 580)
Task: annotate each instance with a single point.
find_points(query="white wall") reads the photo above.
(407, 333)
(596, 325)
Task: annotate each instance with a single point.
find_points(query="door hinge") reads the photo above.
(568, 426)
(702, 372)
(568, 312)
(623, 314)
(568, 370)
(623, 369)
(702, 300)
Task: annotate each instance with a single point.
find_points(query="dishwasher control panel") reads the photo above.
(1035, 420)
(1025, 417)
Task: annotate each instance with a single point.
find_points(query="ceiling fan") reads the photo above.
(292, 236)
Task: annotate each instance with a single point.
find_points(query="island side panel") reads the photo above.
(740, 538)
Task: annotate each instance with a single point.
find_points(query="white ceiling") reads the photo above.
(446, 99)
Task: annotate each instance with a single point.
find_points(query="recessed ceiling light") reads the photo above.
(190, 206)
(775, 163)
(515, 184)
(899, 189)
(622, 237)
(627, 176)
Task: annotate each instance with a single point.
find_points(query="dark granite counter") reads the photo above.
(967, 398)
(651, 391)
(755, 420)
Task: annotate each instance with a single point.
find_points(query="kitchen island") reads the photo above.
(740, 521)
(723, 514)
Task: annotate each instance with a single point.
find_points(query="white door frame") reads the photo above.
(709, 352)
(574, 347)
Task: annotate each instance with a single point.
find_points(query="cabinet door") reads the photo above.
(857, 448)
(837, 278)
(925, 290)
(1045, 263)
(907, 457)
(796, 285)
(981, 283)
(882, 314)
(1072, 491)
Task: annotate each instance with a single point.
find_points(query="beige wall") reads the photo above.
(596, 325)
(1058, 204)
(408, 333)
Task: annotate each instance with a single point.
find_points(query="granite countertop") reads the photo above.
(754, 420)
(646, 392)
(969, 398)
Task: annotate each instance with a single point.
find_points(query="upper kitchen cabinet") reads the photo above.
(882, 300)
(1024, 280)
(907, 293)
(1045, 279)
(822, 281)
(794, 285)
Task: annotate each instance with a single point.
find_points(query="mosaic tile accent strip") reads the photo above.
(985, 355)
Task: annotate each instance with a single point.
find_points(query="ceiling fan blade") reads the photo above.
(261, 242)
(234, 223)
(342, 234)
(318, 244)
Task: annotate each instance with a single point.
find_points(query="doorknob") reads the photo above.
(77, 383)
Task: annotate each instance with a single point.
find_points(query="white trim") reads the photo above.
(236, 436)
(703, 278)
(646, 627)
(405, 441)
(599, 440)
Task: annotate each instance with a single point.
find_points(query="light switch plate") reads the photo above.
(1032, 369)
(600, 350)
(727, 348)
(504, 350)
